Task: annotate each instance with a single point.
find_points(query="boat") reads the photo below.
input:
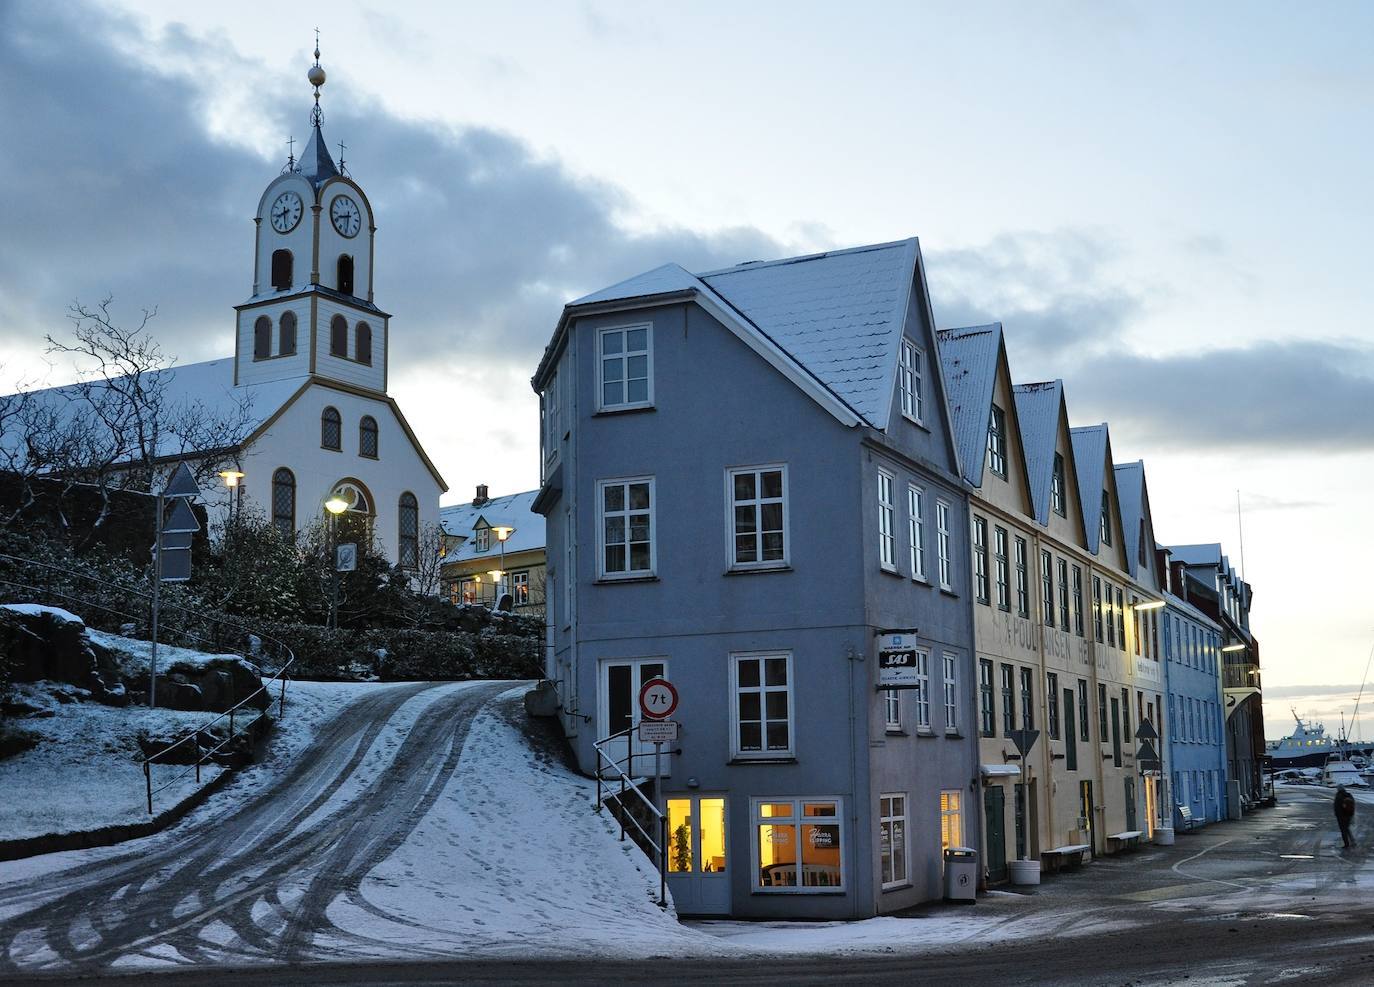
(1307, 747)
(1339, 771)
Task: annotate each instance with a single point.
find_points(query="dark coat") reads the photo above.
(1344, 805)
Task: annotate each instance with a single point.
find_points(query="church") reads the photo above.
(310, 368)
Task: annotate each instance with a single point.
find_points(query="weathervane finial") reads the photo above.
(316, 77)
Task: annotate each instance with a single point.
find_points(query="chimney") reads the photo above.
(481, 497)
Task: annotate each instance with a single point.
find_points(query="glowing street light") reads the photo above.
(503, 533)
(1150, 605)
(335, 505)
(1233, 647)
(231, 480)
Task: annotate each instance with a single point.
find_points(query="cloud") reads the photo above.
(1305, 691)
(121, 179)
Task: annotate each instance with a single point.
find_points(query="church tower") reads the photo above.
(312, 310)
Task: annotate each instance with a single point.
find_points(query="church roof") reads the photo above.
(315, 162)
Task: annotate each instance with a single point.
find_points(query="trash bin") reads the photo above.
(961, 874)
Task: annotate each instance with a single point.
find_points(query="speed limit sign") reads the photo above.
(657, 699)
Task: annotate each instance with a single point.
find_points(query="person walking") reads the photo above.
(1344, 807)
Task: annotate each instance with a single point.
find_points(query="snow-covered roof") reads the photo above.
(1202, 554)
(969, 359)
(1130, 499)
(832, 322)
(515, 510)
(1090, 460)
(1037, 411)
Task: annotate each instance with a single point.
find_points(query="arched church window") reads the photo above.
(262, 338)
(367, 437)
(287, 327)
(345, 274)
(281, 269)
(284, 502)
(408, 537)
(364, 343)
(338, 336)
(331, 430)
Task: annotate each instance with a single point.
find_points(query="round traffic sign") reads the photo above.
(657, 699)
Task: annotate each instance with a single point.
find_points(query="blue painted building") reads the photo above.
(1196, 760)
(746, 475)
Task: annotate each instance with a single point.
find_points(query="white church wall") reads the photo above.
(300, 241)
(332, 243)
(275, 367)
(347, 369)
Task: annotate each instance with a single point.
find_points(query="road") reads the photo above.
(260, 879)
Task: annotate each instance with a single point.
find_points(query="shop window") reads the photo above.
(798, 845)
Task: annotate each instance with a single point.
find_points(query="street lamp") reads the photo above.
(496, 575)
(503, 533)
(335, 505)
(231, 480)
(1233, 647)
(1150, 605)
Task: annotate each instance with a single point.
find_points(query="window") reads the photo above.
(367, 437)
(286, 334)
(987, 712)
(331, 430)
(469, 591)
(798, 845)
(362, 350)
(262, 338)
(1063, 593)
(408, 534)
(758, 519)
(627, 527)
(1140, 551)
(1083, 709)
(909, 381)
(338, 336)
(1106, 521)
(520, 588)
(1027, 700)
(951, 818)
(997, 442)
(921, 693)
(1052, 710)
(892, 710)
(1126, 714)
(1103, 727)
(1121, 616)
(980, 558)
(624, 368)
(951, 693)
(1097, 608)
(281, 269)
(763, 705)
(1008, 700)
(344, 274)
(1022, 580)
(1078, 601)
(1111, 619)
(1057, 501)
(550, 410)
(482, 536)
(916, 531)
(1047, 586)
(284, 502)
(892, 840)
(999, 551)
(887, 521)
(942, 544)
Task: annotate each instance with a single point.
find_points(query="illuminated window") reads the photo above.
(951, 819)
(798, 845)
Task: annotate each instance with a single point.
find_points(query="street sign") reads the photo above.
(182, 519)
(346, 557)
(658, 731)
(182, 484)
(657, 699)
(1146, 731)
(175, 540)
(1024, 740)
(176, 564)
(1146, 752)
(897, 661)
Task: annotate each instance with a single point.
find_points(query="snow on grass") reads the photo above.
(134, 655)
(36, 609)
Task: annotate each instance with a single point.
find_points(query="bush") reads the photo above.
(403, 654)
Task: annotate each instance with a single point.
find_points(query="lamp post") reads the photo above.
(231, 480)
(495, 575)
(335, 505)
(503, 533)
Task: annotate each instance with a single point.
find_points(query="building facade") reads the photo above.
(479, 567)
(748, 475)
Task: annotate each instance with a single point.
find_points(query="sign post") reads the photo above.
(171, 551)
(657, 701)
(1024, 741)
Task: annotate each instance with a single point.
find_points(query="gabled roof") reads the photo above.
(1204, 554)
(1037, 409)
(969, 359)
(1090, 460)
(830, 322)
(515, 510)
(1130, 499)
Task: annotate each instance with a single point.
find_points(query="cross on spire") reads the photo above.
(342, 148)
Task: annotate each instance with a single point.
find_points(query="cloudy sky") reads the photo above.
(1168, 207)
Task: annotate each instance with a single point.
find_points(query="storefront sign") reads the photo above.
(897, 661)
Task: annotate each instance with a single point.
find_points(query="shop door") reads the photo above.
(698, 874)
(1130, 805)
(618, 709)
(995, 818)
(1085, 811)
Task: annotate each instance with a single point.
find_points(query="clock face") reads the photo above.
(345, 215)
(286, 212)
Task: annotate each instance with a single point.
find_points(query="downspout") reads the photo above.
(855, 658)
(1044, 708)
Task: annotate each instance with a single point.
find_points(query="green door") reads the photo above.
(995, 817)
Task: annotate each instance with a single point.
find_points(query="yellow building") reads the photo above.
(493, 546)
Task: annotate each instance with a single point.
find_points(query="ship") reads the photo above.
(1307, 747)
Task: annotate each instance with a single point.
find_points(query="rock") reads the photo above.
(16, 742)
(53, 644)
(542, 700)
(128, 630)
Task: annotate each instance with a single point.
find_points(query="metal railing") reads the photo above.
(194, 735)
(627, 783)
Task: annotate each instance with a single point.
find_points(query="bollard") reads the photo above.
(281, 709)
(148, 777)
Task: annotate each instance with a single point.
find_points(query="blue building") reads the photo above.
(748, 474)
(1196, 759)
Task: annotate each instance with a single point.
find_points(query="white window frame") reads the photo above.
(797, 821)
(892, 820)
(916, 530)
(1058, 503)
(624, 356)
(550, 410)
(997, 441)
(942, 544)
(763, 689)
(482, 539)
(909, 381)
(951, 677)
(922, 690)
(957, 814)
(887, 520)
(757, 503)
(520, 586)
(601, 485)
(892, 710)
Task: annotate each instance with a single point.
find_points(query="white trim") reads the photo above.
(944, 544)
(893, 819)
(916, 531)
(648, 352)
(892, 703)
(796, 820)
(625, 481)
(950, 662)
(887, 509)
(915, 369)
(786, 560)
(764, 754)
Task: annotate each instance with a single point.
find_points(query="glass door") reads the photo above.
(621, 680)
(697, 870)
